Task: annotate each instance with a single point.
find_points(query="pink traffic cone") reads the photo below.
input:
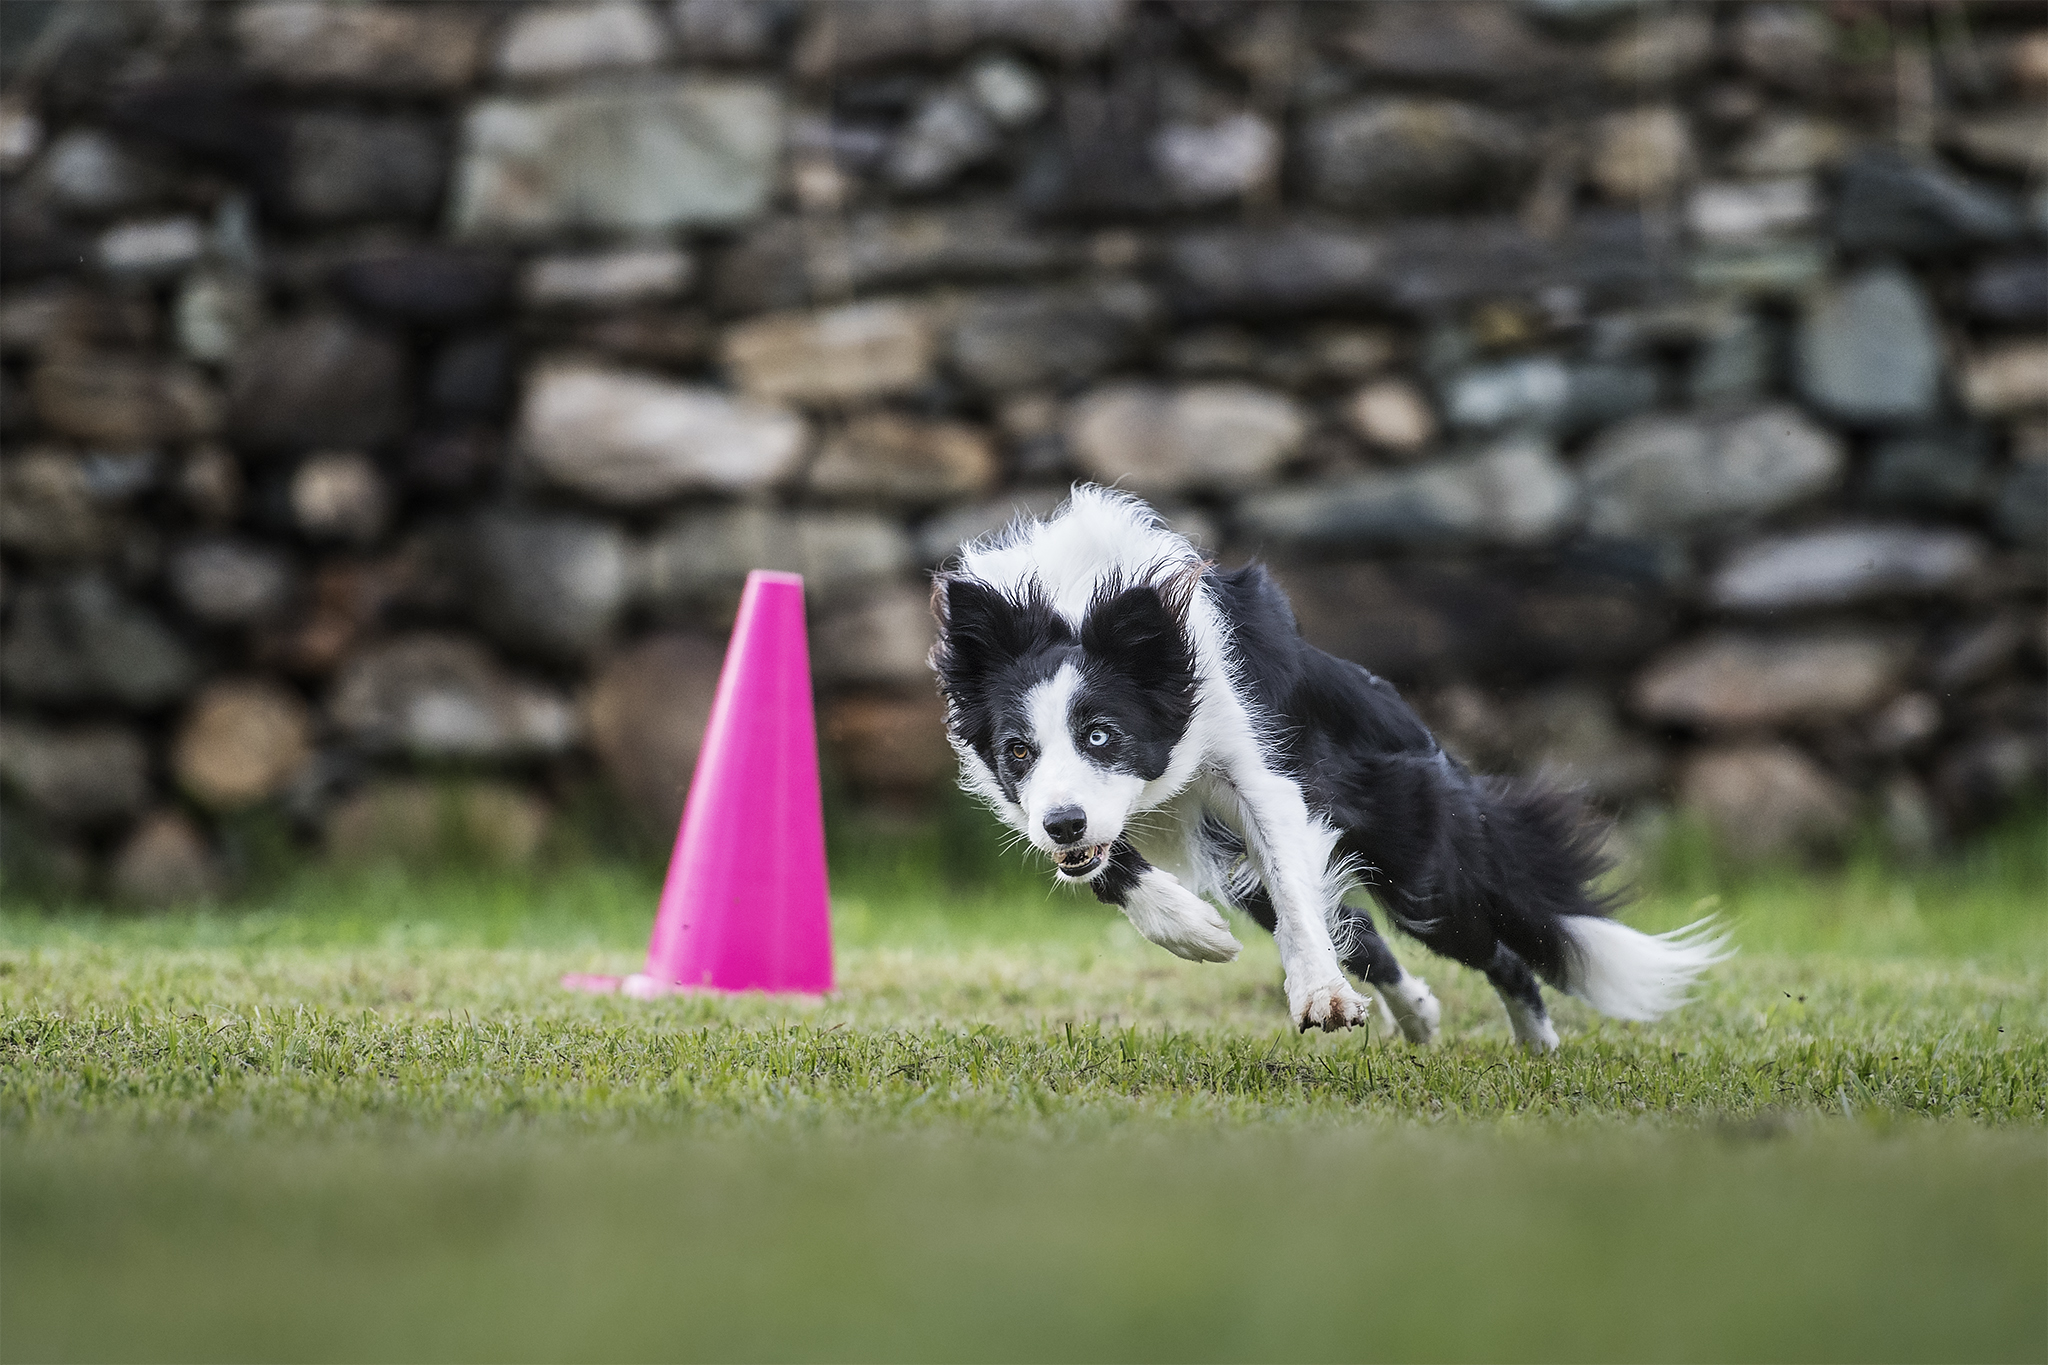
(745, 904)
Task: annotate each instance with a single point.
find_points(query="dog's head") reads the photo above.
(1060, 725)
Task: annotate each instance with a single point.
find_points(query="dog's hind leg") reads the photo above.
(1409, 1001)
(1516, 985)
(1411, 1005)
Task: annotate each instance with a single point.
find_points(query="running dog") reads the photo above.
(1159, 728)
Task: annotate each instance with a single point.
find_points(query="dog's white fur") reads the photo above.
(1220, 767)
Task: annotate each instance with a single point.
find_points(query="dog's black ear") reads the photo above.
(1141, 633)
(980, 629)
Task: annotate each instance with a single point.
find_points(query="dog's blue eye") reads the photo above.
(1098, 737)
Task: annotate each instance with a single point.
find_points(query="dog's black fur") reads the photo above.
(1479, 869)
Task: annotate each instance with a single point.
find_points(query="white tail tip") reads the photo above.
(1629, 974)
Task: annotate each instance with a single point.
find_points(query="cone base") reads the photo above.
(641, 986)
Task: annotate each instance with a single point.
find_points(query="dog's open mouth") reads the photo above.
(1081, 860)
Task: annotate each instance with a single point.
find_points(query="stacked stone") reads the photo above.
(1659, 394)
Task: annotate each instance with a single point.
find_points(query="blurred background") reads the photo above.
(395, 395)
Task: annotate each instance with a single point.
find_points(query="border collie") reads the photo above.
(1160, 729)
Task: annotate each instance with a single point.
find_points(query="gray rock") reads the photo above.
(700, 560)
(166, 861)
(1393, 155)
(607, 279)
(567, 39)
(859, 351)
(1213, 163)
(1886, 202)
(79, 775)
(75, 641)
(1544, 392)
(243, 742)
(645, 713)
(347, 166)
(881, 639)
(48, 509)
(340, 496)
(791, 263)
(2010, 290)
(1752, 211)
(1765, 801)
(1030, 339)
(1516, 493)
(2007, 378)
(1789, 143)
(86, 171)
(1658, 474)
(318, 381)
(1293, 268)
(1869, 350)
(227, 582)
(1784, 269)
(1200, 436)
(151, 251)
(2022, 508)
(215, 314)
(1846, 565)
(1732, 681)
(549, 583)
(859, 33)
(907, 461)
(1641, 155)
(1427, 267)
(640, 158)
(724, 30)
(123, 401)
(1946, 469)
(1007, 90)
(1659, 49)
(441, 696)
(1789, 46)
(948, 133)
(628, 439)
(1483, 46)
(403, 49)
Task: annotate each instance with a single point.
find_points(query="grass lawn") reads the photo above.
(357, 1119)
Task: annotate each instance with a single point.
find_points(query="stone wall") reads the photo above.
(1657, 393)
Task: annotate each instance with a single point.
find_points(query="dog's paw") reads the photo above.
(1327, 1005)
(1179, 921)
(1412, 1008)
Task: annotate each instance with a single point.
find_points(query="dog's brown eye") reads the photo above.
(1020, 752)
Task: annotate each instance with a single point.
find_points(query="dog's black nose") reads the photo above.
(1066, 823)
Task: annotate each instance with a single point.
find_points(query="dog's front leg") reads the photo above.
(1291, 852)
(1163, 910)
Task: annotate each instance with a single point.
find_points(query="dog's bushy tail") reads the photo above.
(1515, 862)
(1570, 936)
